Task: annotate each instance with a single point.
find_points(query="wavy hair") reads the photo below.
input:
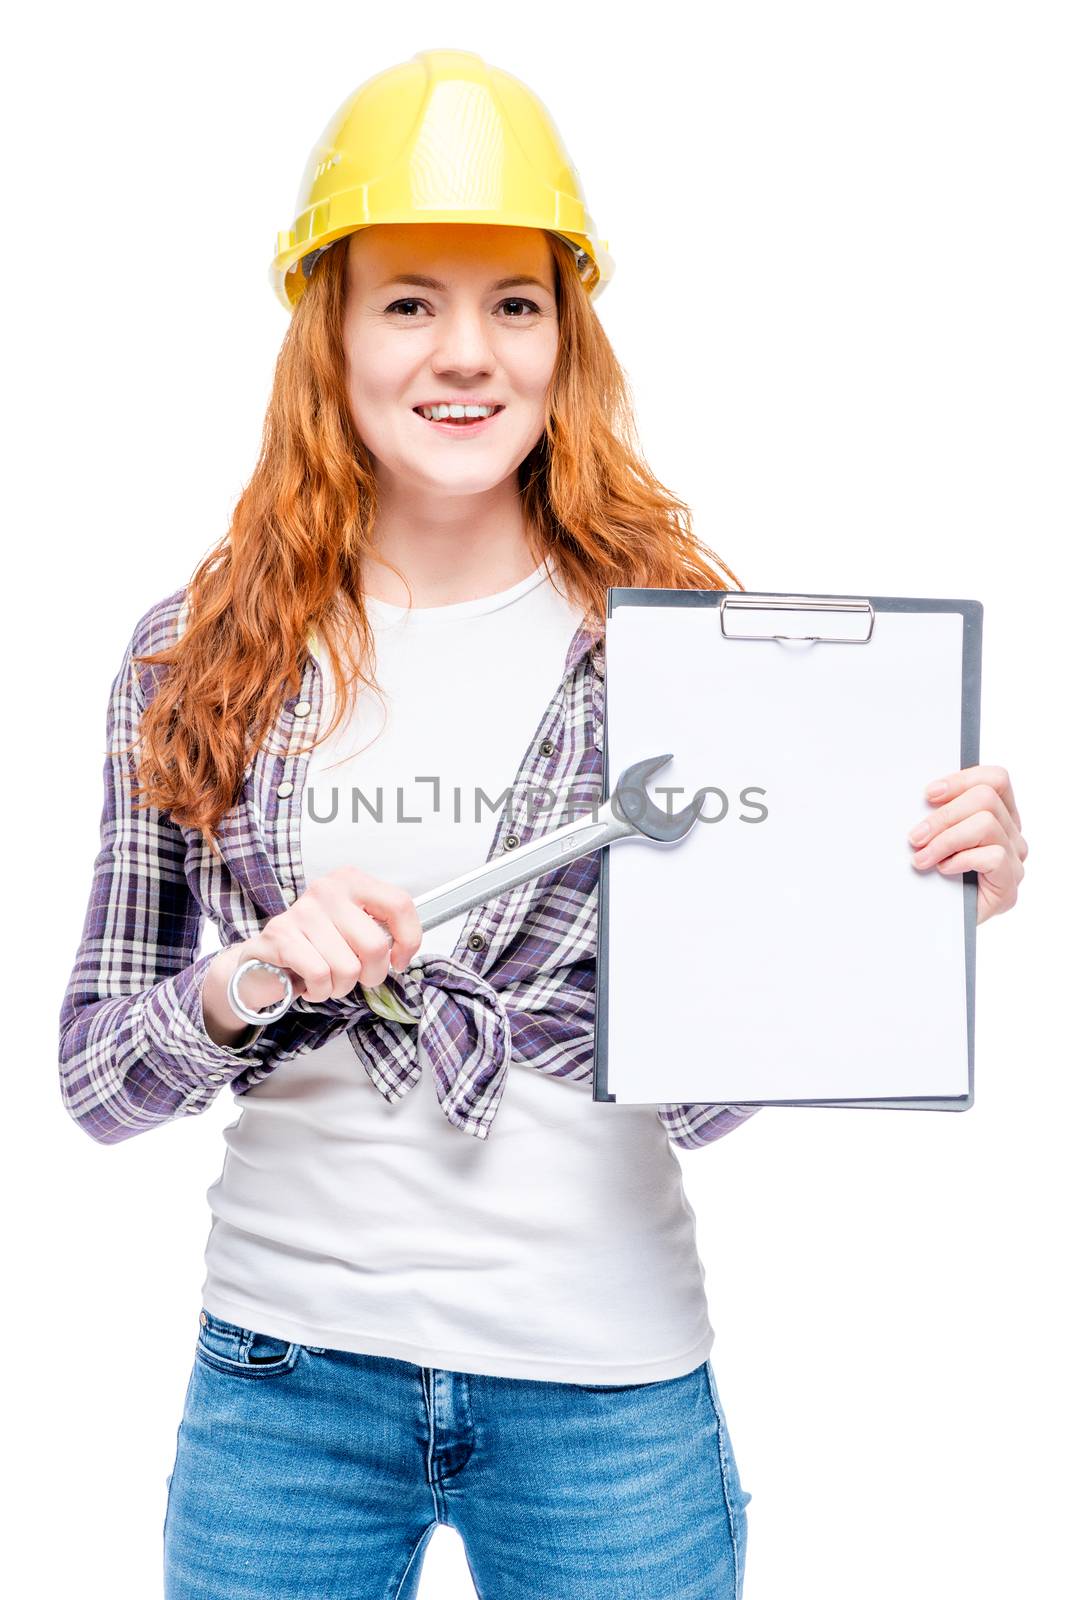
(290, 560)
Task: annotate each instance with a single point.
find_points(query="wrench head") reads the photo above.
(629, 800)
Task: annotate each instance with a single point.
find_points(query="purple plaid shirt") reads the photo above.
(519, 986)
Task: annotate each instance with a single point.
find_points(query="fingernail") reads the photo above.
(920, 832)
(934, 790)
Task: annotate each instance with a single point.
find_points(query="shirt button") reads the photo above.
(476, 942)
(511, 841)
(283, 790)
(547, 747)
(302, 708)
(216, 1077)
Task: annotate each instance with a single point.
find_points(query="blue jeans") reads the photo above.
(304, 1472)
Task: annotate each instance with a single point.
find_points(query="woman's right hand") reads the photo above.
(329, 939)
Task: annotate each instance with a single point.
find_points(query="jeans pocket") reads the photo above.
(243, 1352)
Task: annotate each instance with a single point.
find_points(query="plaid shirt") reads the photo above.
(519, 987)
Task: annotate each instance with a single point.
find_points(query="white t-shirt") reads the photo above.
(561, 1247)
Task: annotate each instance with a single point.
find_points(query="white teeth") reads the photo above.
(433, 413)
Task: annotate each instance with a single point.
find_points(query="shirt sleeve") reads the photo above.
(133, 1047)
(694, 1126)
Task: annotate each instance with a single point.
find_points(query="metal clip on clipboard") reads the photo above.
(838, 608)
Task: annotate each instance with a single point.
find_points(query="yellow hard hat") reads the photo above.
(441, 138)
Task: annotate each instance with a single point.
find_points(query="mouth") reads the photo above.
(458, 425)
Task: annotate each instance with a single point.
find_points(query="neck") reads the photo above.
(448, 548)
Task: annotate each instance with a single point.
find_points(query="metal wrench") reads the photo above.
(631, 812)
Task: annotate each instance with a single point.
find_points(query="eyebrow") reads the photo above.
(421, 281)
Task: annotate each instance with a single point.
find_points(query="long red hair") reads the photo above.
(290, 560)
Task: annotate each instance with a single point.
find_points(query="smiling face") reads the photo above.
(466, 336)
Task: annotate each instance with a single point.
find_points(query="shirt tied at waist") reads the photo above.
(463, 1032)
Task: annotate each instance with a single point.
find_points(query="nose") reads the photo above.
(463, 341)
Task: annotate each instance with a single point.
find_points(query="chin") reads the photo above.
(460, 482)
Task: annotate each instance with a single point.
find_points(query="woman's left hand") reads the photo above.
(975, 827)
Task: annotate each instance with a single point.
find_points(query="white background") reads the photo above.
(840, 298)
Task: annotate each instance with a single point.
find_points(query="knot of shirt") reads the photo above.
(463, 1034)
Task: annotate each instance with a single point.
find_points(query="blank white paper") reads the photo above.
(801, 956)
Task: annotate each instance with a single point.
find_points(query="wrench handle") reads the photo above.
(475, 888)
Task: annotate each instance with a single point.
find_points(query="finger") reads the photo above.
(371, 941)
(975, 798)
(955, 783)
(366, 934)
(389, 905)
(998, 882)
(349, 959)
(286, 945)
(980, 828)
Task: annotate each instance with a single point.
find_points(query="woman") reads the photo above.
(443, 1285)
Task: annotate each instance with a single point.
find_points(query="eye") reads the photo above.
(512, 301)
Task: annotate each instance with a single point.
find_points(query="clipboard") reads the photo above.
(734, 624)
